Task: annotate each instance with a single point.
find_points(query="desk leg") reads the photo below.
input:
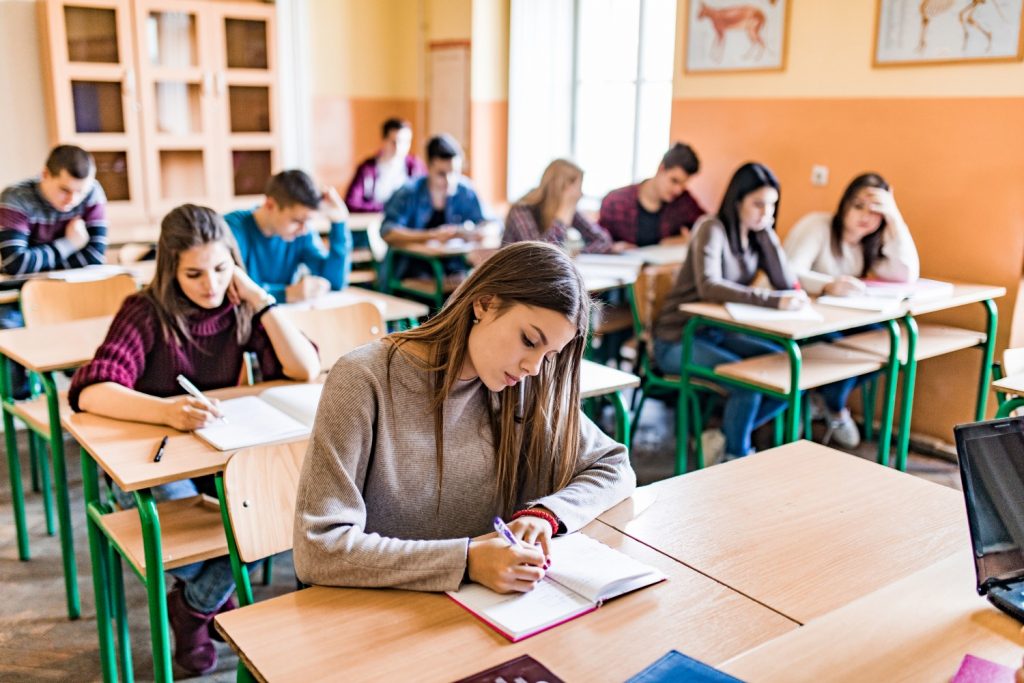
(622, 429)
(1009, 406)
(156, 588)
(988, 351)
(889, 401)
(793, 399)
(438, 267)
(60, 486)
(907, 401)
(99, 551)
(13, 464)
(37, 453)
(685, 396)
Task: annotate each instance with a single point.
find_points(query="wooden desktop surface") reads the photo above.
(660, 254)
(55, 347)
(801, 528)
(598, 380)
(125, 450)
(916, 629)
(1014, 384)
(379, 634)
(391, 307)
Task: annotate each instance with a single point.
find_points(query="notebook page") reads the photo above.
(250, 422)
(862, 303)
(521, 614)
(298, 401)
(596, 571)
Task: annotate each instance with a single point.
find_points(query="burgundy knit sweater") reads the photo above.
(136, 354)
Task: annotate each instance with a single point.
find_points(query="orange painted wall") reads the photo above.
(957, 169)
(348, 131)
(489, 132)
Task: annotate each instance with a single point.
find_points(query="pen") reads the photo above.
(160, 450)
(505, 532)
(191, 389)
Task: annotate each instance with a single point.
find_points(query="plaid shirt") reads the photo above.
(620, 214)
(521, 225)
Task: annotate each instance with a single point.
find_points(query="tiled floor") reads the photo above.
(38, 643)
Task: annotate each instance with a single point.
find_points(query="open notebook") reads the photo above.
(584, 573)
(275, 414)
(887, 297)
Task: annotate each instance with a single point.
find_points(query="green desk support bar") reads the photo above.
(988, 353)
(100, 553)
(907, 400)
(156, 588)
(394, 283)
(1006, 408)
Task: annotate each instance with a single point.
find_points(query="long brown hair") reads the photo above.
(545, 199)
(536, 422)
(186, 227)
(871, 245)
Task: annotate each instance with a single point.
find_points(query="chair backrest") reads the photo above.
(1013, 361)
(649, 292)
(48, 302)
(338, 330)
(261, 485)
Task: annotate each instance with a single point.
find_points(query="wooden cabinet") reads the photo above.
(177, 99)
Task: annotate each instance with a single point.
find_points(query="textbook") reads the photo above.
(675, 666)
(522, 669)
(584, 573)
(866, 302)
(276, 414)
(921, 290)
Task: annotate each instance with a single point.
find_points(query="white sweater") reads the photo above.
(809, 252)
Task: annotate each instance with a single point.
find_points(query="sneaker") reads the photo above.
(712, 442)
(818, 409)
(842, 429)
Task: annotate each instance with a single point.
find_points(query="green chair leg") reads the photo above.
(60, 486)
(698, 432)
(17, 491)
(868, 393)
(120, 615)
(33, 461)
(99, 552)
(268, 570)
(38, 453)
(636, 415)
(156, 587)
(780, 430)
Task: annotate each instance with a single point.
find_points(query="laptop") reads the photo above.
(992, 471)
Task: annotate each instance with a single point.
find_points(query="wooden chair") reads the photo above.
(338, 330)
(50, 302)
(646, 298)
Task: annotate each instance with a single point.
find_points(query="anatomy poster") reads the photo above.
(915, 31)
(736, 35)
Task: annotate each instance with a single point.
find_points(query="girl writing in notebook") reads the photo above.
(726, 253)
(423, 437)
(196, 318)
(832, 253)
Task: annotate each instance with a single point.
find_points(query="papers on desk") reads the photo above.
(584, 573)
(746, 313)
(862, 303)
(274, 415)
(921, 290)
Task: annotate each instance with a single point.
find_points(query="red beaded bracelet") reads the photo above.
(535, 512)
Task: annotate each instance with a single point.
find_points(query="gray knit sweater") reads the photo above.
(368, 513)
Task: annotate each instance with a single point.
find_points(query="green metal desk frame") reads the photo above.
(792, 399)
(55, 439)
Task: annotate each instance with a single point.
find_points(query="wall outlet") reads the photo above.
(819, 175)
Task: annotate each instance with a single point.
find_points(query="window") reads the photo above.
(590, 80)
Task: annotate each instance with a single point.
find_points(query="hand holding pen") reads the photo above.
(504, 564)
(506, 532)
(192, 411)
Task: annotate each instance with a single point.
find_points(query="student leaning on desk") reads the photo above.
(52, 222)
(423, 437)
(196, 318)
(832, 253)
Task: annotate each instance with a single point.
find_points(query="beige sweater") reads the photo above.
(368, 512)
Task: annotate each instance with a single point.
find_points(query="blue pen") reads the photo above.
(505, 532)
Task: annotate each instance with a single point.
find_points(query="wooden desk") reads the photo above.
(392, 308)
(788, 334)
(434, 253)
(46, 350)
(916, 629)
(660, 254)
(361, 634)
(802, 528)
(601, 276)
(358, 222)
(601, 380)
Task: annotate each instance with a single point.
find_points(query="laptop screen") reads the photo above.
(992, 470)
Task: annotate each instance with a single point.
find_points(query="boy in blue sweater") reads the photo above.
(274, 239)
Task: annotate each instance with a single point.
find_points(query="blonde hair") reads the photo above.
(546, 198)
(539, 417)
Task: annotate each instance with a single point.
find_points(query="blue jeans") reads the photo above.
(745, 410)
(837, 393)
(208, 584)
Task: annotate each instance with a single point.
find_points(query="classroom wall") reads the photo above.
(24, 115)
(489, 99)
(946, 137)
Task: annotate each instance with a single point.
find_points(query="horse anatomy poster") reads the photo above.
(928, 31)
(736, 35)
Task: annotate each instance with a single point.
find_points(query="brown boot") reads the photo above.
(193, 649)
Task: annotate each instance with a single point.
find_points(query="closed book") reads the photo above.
(524, 669)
